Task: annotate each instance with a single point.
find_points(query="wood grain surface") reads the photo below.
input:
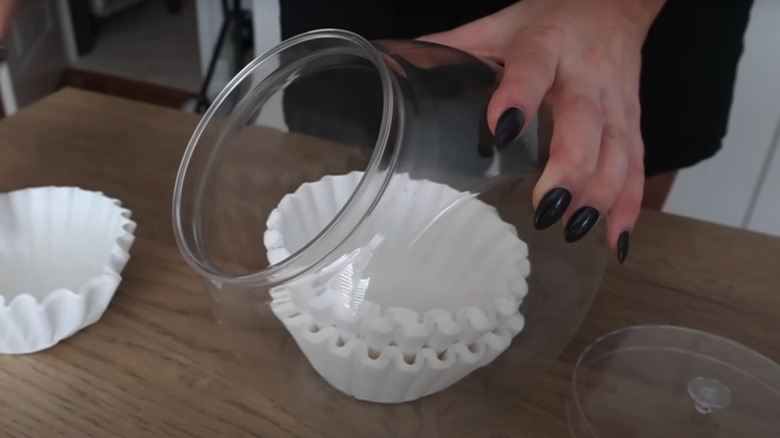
(156, 364)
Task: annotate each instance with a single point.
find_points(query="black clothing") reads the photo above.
(689, 65)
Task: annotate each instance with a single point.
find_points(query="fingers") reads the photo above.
(473, 38)
(605, 185)
(484, 37)
(624, 213)
(574, 152)
(595, 167)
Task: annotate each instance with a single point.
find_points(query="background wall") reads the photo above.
(740, 186)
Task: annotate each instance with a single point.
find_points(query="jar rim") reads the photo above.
(349, 216)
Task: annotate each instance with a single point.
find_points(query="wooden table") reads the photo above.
(155, 364)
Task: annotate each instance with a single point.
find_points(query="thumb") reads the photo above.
(529, 73)
(477, 38)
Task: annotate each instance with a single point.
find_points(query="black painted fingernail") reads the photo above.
(509, 126)
(551, 208)
(622, 246)
(580, 223)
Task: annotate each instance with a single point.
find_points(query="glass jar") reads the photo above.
(369, 252)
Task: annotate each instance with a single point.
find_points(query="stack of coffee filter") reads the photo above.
(425, 292)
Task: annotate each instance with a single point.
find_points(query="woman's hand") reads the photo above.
(583, 57)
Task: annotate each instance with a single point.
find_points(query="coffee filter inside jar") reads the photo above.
(430, 291)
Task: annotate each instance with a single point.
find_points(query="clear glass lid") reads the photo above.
(673, 382)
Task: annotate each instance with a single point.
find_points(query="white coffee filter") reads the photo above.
(429, 290)
(62, 250)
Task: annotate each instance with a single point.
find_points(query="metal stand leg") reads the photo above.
(240, 23)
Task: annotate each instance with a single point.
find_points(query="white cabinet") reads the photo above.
(735, 187)
(267, 28)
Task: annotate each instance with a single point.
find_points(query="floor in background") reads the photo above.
(148, 44)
